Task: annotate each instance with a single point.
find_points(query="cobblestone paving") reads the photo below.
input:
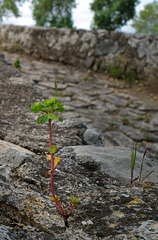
(95, 99)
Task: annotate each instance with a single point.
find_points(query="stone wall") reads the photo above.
(134, 54)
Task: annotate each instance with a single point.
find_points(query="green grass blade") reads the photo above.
(133, 158)
(56, 88)
(147, 175)
(141, 168)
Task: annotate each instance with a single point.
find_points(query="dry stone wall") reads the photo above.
(134, 54)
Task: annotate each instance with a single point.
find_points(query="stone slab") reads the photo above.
(11, 154)
(115, 161)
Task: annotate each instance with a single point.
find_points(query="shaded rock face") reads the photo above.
(98, 176)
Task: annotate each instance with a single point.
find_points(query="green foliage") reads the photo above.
(53, 199)
(53, 13)
(74, 200)
(121, 69)
(147, 20)
(48, 107)
(53, 149)
(122, 73)
(112, 14)
(56, 88)
(46, 117)
(133, 159)
(9, 7)
(17, 64)
(116, 72)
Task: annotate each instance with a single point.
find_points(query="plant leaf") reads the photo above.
(48, 172)
(56, 160)
(56, 88)
(48, 156)
(53, 149)
(43, 119)
(48, 107)
(75, 200)
(133, 156)
(141, 167)
(53, 200)
(53, 116)
(36, 108)
(147, 175)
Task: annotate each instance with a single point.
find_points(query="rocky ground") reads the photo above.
(107, 104)
(109, 209)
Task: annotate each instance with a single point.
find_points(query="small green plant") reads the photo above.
(122, 73)
(116, 72)
(121, 69)
(48, 109)
(133, 160)
(17, 64)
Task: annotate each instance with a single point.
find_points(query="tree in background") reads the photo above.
(53, 13)
(147, 21)
(9, 7)
(112, 14)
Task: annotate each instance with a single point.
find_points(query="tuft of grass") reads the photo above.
(133, 160)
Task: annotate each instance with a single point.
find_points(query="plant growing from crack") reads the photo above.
(48, 108)
(133, 160)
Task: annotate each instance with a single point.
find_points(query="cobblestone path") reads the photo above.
(95, 99)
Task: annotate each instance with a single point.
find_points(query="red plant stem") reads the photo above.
(59, 207)
(72, 206)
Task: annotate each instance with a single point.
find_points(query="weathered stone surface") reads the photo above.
(93, 137)
(108, 209)
(115, 161)
(12, 154)
(92, 49)
(106, 46)
(147, 230)
(154, 120)
(118, 138)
